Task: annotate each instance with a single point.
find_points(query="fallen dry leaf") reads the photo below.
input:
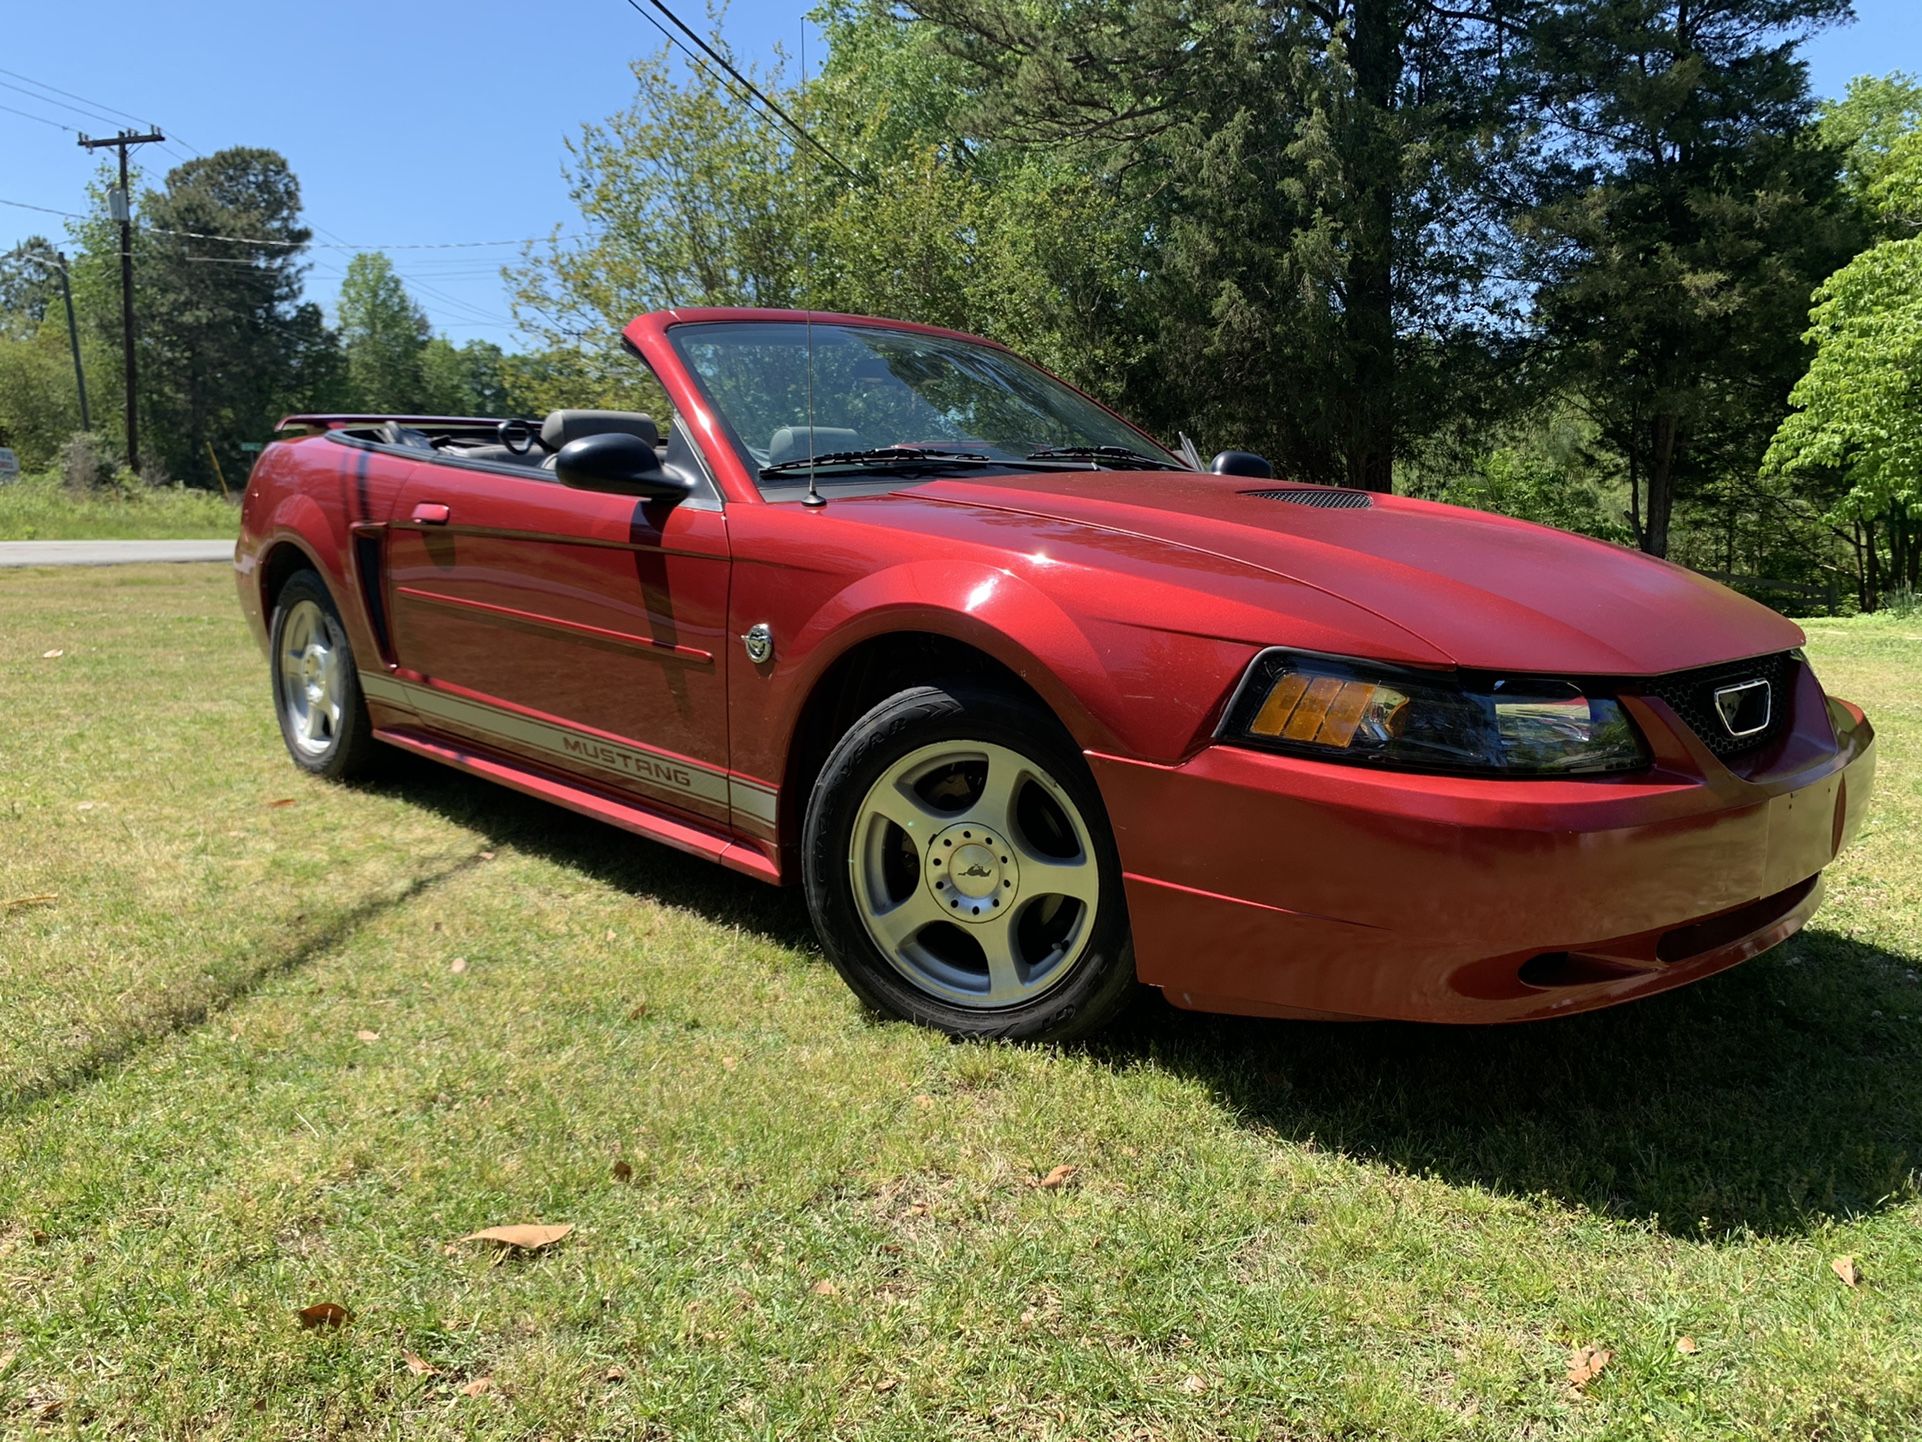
(1194, 1386)
(728, 1063)
(887, 1384)
(623, 1172)
(487, 856)
(457, 965)
(1585, 1364)
(824, 1288)
(614, 1374)
(282, 801)
(529, 1237)
(365, 1035)
(1057, 1178)
(418, 1365)
(1687, 1346)
(51, 655)
(42, 898)
(480, 1386)
(1845, 1268)
(325, 1314)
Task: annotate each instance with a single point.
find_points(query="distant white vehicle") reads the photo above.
(9, 465)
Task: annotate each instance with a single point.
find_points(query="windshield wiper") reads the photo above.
(888, 457)
(1118, 456)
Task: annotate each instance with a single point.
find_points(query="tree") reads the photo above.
(219, 304)
(1863, 127)
(468, 380)
(1681, 220)
(383, 335)
(28, 284)
(1858, 409)
(39, 402)
(1312, 185)
(38, 405)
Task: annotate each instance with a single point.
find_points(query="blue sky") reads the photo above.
(416, 123)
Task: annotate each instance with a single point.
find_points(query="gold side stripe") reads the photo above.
(655, 770)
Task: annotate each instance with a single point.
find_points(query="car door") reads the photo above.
(579, 631)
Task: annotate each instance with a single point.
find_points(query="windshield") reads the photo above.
(893, 394)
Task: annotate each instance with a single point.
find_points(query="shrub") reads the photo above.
(86, 464)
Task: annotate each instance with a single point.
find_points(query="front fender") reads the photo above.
(985, 607)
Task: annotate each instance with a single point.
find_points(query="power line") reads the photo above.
(55, 89)
(794, 127)
(57, 125)
(297, 244)
(44, 209)
(103, 118)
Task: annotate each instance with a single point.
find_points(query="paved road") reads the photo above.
(110, 553)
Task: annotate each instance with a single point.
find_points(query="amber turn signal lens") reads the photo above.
(1322, 709)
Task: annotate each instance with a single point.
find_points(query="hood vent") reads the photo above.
(1326, 498)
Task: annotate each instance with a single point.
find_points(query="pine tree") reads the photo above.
(1685, 210)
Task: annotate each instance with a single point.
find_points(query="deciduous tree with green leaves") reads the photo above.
(1856, 427)
(383, 337)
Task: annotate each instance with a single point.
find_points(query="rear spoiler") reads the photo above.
(311, 422)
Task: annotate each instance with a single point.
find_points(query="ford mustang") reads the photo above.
(1037, 709)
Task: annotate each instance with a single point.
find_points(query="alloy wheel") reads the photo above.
(310, 681)
(974, 873)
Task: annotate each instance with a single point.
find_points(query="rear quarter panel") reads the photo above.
(303, 499)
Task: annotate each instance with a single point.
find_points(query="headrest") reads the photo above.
(560, 427)
(790, 443)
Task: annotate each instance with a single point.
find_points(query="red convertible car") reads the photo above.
(1037, 709)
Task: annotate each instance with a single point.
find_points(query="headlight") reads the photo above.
(1355, 711)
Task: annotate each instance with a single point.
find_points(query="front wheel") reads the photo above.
(960, 872)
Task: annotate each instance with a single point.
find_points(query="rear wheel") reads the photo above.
(960, 871)
(323, 718)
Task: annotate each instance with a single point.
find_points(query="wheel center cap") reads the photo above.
(972, 872)
(975, 872)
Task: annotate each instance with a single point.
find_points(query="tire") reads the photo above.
(316, 687)
(960, 871)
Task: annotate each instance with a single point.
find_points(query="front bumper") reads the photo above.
(1272, 885)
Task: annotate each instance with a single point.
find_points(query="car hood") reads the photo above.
(1487, 591)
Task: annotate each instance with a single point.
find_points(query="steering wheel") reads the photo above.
(518, 436)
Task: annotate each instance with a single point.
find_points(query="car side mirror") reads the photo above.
(1241, 463)
(617, 462)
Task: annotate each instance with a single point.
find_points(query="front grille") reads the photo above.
(1691, 695)
(1326, 498)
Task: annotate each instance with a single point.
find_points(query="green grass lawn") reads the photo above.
(37, 508)
(273, 1043)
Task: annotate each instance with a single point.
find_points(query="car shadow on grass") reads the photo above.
(1766, 1099)
(642, 868)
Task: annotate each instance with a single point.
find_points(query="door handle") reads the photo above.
(431, 513)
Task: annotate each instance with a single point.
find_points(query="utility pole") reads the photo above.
(73, 339)
(122, 205)
(59, 265)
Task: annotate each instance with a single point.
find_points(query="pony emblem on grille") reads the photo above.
(1744, 707)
